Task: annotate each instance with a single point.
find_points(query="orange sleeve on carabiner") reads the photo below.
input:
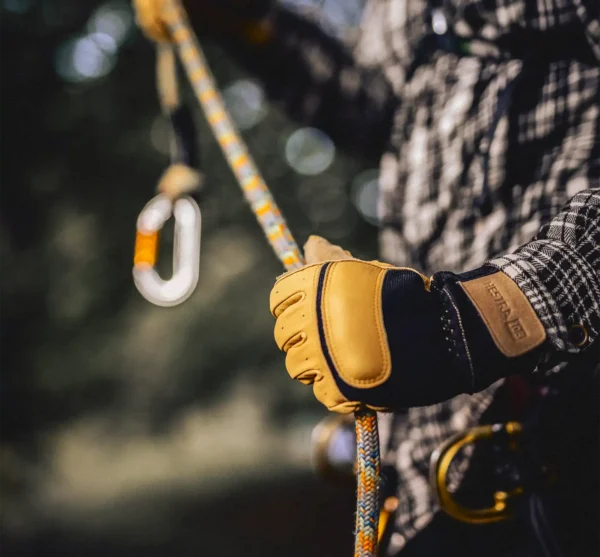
(146, 249)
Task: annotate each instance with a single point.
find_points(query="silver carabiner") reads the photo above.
(186, 250)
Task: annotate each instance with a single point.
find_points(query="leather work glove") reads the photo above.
(368, 333)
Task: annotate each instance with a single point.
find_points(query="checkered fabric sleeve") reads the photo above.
(589, 14)
(559, 272)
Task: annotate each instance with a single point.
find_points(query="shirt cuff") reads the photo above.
(563, 289)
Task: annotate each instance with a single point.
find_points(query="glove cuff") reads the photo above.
(490, 327)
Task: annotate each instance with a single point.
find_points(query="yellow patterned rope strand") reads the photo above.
(255, 190)
(279, 236)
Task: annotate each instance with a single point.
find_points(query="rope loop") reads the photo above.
(149, 17)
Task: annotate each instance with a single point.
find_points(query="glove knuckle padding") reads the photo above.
(290, 323)
(303, 281)
(353, 327)
(291, 304)
(303, 357)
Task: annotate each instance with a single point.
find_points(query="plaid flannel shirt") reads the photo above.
(483, 144)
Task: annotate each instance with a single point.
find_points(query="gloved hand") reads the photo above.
(368, 333)
(221, 19)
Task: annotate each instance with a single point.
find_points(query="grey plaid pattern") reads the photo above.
(518, 134)
(559, 271)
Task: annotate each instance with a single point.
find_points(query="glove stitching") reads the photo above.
(315, 289)
(326, 318)
(381, 333)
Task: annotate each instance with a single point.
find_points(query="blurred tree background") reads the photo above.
(126, 427)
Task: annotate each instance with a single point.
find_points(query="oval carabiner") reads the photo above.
(441, 460)
(186, 250)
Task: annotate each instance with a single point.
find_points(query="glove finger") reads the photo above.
(328, 394)
(283, 294)
(302, 361)
(317, 250)
(290, 327)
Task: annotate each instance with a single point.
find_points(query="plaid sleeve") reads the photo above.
(589, 15)
(559, 272)
(322, 82)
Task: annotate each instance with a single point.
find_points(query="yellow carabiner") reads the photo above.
(441, 459)
(186, 250)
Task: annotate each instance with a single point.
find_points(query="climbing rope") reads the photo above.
(166, 22)
(367, 483)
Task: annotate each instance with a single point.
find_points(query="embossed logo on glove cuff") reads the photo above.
(512, 322)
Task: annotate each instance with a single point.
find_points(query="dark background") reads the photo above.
(128, 429)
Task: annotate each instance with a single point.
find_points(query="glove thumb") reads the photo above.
(317, 250)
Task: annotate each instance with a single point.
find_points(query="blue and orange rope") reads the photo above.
(171, 23)
(367, 483)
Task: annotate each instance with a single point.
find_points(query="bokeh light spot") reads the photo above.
(309, 151)
(365, 194)
(105, 42)
(114, 20)
(82, 58)
(245, 101)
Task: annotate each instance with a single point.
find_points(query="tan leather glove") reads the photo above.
(317, 250)
(368, 333)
